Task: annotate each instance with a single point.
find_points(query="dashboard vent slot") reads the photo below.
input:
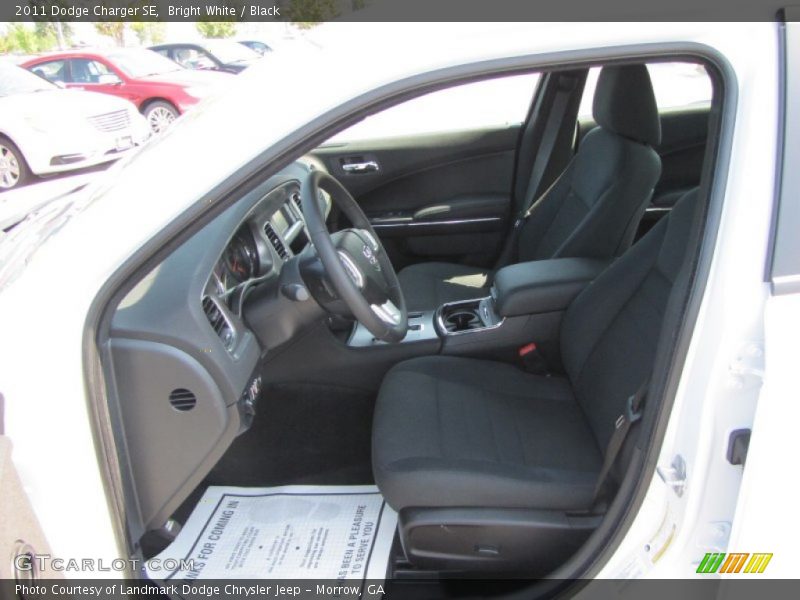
(182, 399)
(297, 203)
(275, 241)
(218, 321)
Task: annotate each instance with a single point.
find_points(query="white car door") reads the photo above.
(21, 536)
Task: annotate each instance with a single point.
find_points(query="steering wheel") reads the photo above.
(354, 261)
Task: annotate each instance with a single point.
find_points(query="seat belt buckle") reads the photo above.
(630, 415)
(532, 360)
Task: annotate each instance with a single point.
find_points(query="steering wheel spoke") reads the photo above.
(352, 269)
(370, 238)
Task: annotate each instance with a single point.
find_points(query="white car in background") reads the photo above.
(46, 130)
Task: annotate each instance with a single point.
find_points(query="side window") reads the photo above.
(498, 102)
(677, 85)
(192, 58)
(53, 71)
(85, 70)
(204, 60)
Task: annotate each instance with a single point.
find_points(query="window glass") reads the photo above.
(228, 51)
(490, 103)
(84, 70)
(52, 71)
(259, 47)
(193, 59)
(139, 62)
(676, 85)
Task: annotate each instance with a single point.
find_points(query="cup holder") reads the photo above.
(464, 316)
(462, 320)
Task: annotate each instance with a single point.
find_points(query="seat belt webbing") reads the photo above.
(552, 129)
(549, 138)
(633, 412)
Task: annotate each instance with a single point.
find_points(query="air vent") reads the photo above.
(276, 241)
(218, 321)
(182, 399)
(297, 204)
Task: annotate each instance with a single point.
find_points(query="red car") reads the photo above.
(158, 87)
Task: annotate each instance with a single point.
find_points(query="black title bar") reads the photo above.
(389, 10)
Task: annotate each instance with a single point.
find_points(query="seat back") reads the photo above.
(592, 210)
(610, 331)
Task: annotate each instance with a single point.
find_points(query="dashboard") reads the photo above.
(186, 340)
(271, 234)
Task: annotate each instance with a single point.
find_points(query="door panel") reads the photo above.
(444, 196)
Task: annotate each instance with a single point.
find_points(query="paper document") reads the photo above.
(289, 532)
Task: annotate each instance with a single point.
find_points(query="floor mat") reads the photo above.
(287, 532)
(302, 435)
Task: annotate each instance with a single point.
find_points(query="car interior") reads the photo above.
(471, 320)
(86, 71)
(54, 71)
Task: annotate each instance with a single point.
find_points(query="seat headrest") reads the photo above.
(624, 103)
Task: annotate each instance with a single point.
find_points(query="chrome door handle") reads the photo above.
(354, 168)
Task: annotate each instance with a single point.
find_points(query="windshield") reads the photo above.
(141, 63)
(228, 51)
(16, 80)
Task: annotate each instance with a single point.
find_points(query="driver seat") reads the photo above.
(491, 467)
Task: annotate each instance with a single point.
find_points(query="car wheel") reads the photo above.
(14, 171)
(160, 115)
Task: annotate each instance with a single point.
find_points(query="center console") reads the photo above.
(524, 304)
(420, 329)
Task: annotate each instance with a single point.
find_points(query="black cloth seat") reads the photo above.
(459, 432)
(432, 284)
(483, 431)
(593, 208)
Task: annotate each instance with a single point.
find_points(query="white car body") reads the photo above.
(45, 302)
(61, 130)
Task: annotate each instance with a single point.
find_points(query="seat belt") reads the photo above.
(549, 138)
(622, 426)
(557, 111)
(511, 248)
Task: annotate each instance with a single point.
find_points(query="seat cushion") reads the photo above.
(463, 432)
(427, 286)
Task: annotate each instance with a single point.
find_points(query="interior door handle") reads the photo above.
(355, 168)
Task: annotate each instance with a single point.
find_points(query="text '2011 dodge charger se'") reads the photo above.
(529, 343)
